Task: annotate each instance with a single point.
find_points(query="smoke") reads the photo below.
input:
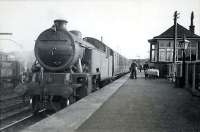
(15, 51)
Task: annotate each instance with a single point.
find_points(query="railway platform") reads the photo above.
(139, 105)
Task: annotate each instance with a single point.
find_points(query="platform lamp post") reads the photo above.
(184, 45)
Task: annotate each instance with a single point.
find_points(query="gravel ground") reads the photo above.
(146, 106)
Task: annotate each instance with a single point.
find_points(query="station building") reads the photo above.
(161, 54)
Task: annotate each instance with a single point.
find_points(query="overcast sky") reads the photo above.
(126, 25)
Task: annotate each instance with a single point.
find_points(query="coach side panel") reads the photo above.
(121, 64)
(100, 60)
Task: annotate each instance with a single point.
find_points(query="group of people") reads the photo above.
(133, 69)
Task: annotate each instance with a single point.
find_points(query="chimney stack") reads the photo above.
(60, 24)
(192, 23)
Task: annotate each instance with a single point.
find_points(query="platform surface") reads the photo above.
(146, 106)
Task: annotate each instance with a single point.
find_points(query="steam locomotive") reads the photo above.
(69, 67)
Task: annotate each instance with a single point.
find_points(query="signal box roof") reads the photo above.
(169, 33)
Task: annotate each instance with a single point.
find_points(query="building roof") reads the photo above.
(169, 33)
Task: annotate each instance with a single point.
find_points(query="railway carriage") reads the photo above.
(68, 68)
(110, 63)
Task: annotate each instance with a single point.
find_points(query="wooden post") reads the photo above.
(175, 35)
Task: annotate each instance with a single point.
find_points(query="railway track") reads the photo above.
(24, 122)
(12, 108)
(12, 104)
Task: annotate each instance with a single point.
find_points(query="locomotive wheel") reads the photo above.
(57, 103)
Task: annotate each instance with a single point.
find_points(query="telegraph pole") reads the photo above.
(176, 16)
(174, 46)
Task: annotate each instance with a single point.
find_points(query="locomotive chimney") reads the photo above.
(192, 23)
(60, 24)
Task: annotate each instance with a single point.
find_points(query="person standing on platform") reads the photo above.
(145, 67)
(133, 70)
(140, 67)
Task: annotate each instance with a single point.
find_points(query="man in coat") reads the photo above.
(133, 70)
